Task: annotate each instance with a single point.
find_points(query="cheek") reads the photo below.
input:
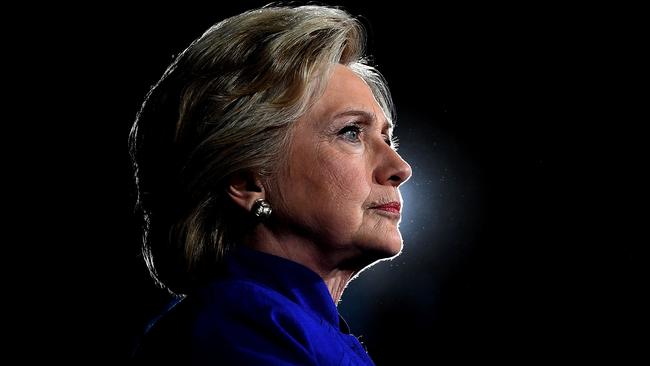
(329, 190)
(324, 189)
(343, 190)
(346, 179)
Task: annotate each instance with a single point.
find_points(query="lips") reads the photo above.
(393, 207)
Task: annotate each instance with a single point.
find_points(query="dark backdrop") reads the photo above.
(518, 246)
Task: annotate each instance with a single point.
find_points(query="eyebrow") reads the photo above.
(365, 114)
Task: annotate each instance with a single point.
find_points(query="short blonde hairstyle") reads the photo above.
(226, 106)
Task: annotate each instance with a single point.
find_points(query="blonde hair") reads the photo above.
(225, 106)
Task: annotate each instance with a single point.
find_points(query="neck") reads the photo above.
(337, 281)
(326, 264)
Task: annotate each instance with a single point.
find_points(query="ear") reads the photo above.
(244, 189)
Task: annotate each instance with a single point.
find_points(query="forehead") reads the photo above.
(347, 92)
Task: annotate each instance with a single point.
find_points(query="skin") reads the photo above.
(341, 165)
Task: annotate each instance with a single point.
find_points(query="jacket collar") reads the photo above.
(293, 280)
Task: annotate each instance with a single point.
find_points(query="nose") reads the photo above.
(392, 169)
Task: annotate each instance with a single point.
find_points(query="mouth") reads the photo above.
(392, 208)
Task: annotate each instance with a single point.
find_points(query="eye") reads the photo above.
(351, 132)
(388, 140)
(392, 142)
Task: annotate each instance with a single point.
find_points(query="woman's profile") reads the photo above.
(268, 178)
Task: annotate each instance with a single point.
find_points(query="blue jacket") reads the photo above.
(264, 310)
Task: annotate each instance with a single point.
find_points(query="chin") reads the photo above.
(367, 255)
(392, 244)
(394, 249)
(388, 249)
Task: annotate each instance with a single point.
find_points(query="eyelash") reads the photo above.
(355, 127)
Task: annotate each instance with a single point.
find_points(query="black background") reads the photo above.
(519, 221)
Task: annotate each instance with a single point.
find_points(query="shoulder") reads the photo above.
(243, 297)
(243, 323)
(238, 309)
(242, 320)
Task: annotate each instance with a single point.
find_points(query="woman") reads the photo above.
(268, 178)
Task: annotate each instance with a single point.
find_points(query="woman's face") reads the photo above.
(340, 188)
